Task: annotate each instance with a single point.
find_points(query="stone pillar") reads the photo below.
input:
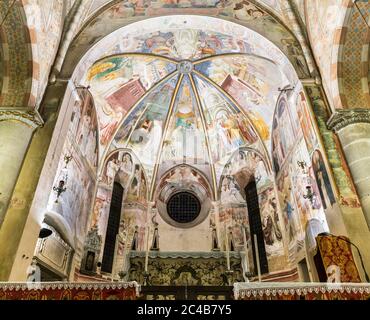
(28, 203)
(349, 220)
(353, 129)
(16, 129)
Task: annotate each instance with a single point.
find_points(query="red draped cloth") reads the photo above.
(336, 250)
(65, 291)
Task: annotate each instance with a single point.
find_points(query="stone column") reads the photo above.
(26, 210)
(16, 129)
(353, 129)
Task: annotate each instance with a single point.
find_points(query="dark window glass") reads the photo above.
(112, 228)
(256, 226)
(183, 207)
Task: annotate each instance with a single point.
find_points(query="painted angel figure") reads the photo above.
(112, 168)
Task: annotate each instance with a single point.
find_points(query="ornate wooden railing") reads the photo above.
(69, 291)
(301, 291)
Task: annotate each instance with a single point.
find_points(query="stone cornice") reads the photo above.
(29, 118)
(343, 118)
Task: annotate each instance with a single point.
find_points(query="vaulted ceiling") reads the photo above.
(185, 89)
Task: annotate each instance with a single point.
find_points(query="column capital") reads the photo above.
(345, 117)
(30, 118)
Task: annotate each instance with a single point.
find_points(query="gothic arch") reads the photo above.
(121, 13)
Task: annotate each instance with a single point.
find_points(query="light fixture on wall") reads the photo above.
(310, 195)
(60, 188)
(67, 159)
(302, 164)
(286, 88)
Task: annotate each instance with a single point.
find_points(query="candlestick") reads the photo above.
(227, 250)
(147, 250)
(148, 217)
(245, 249)
(257, 258)
(126, 250)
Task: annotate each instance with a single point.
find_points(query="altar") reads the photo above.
(185, 268)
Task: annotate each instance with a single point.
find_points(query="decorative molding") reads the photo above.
(343, 118)
(184, 255)
(30, 118)
(8, 286)
(243, 290)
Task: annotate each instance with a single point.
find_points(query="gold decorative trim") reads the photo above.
(31, 119)
(241, 110)
(166, 125)
(129, 112)
(205, 129)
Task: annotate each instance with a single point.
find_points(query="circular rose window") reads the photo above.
(183, 207)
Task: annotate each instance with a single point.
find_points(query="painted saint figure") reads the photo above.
(323, 182)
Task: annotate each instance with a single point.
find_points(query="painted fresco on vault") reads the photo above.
(228, 129)
(118, 83)
(180, 178)
(185, 140)
(247, 79)
(244, 12)
(146, 136)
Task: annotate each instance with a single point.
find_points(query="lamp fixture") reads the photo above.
(286, 88)
(310, 195)
(60, 188)
(302, 164)
(67, 159)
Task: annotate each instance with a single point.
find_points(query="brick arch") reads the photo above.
(351, 69)
(45, 26)
(16, 54)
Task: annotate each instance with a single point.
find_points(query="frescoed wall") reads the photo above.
(77, 169)
(244, 166)
(45, 21)
(324, 20)
(125, 169)
(296, 160)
